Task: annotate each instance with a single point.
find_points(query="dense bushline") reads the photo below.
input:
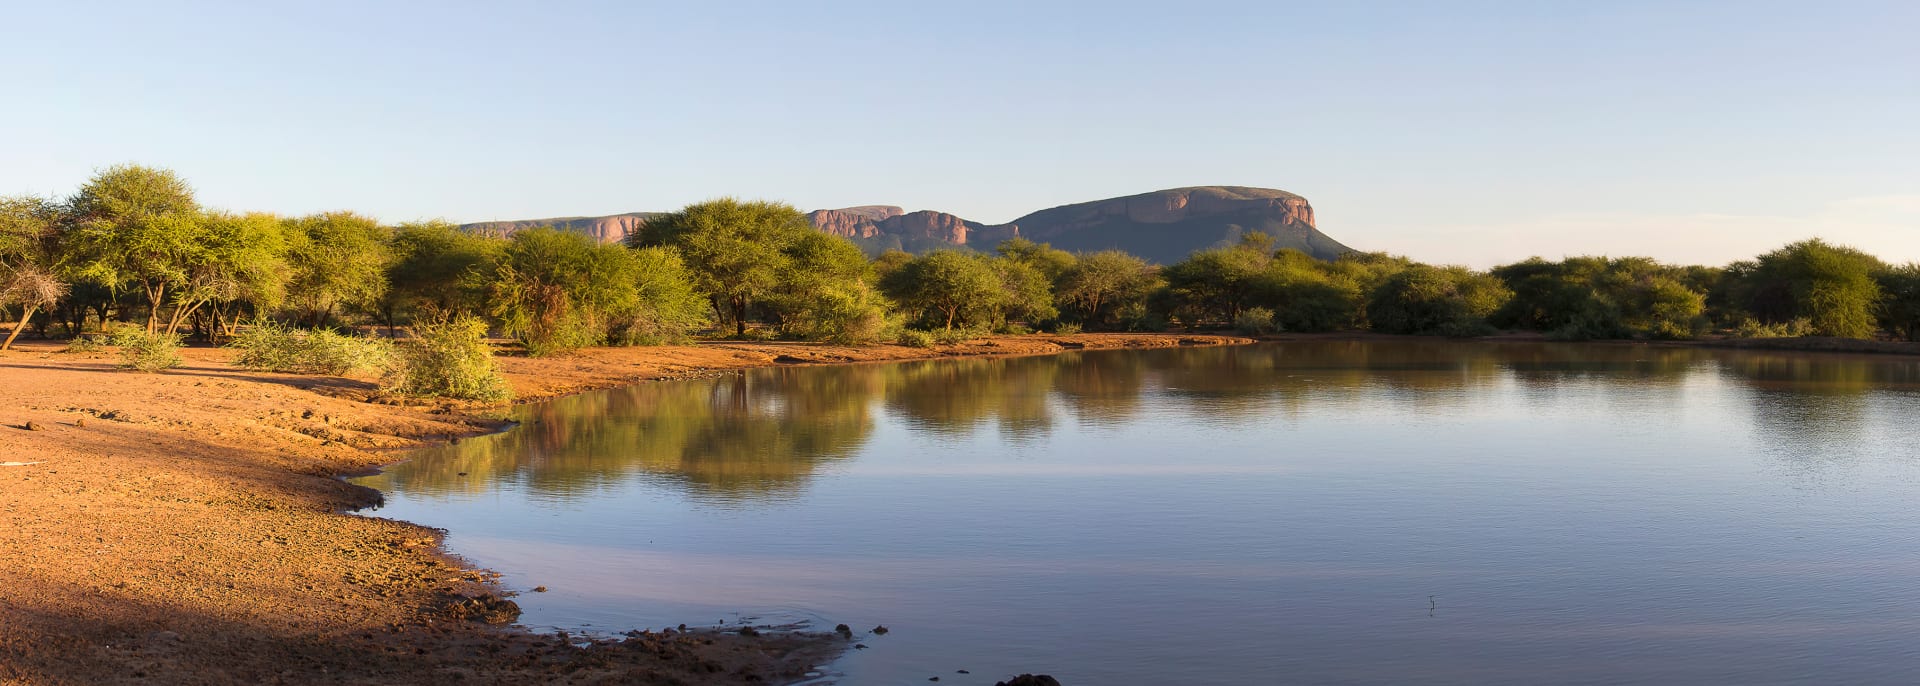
(134, 248)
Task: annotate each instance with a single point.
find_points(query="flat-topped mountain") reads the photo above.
(1162, 226)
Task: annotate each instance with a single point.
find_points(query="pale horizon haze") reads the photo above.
(1457, 132)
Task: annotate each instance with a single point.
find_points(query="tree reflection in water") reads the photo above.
(761, 435)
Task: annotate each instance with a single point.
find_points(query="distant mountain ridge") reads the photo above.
(1161, 226)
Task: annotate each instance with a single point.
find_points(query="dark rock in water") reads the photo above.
(1030, 680)
(749, 631)
(844, 631)
(961, 671)
(859, 646)
(880, 631)
(539, 589)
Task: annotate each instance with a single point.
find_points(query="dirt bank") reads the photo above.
(186, 527)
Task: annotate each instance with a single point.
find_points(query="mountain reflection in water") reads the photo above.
(1579, 513)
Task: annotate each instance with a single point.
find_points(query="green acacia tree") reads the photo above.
(433, 264)
(947, 286)
(241, 262)
(28, 227)
(134, 226)
(740, 251)
(1600, 297)
(829, 292)
(1832, 287)
(666, 307)
(1100, 284)
(1219, 282)
(552, 289)
(1429, 300)
(1026, 293)
(1050, 261)
(1900, 301)
(338, 260)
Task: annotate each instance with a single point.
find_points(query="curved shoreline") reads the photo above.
(190, 526)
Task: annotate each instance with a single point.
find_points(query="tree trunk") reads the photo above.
(155, 296)
(24, 316)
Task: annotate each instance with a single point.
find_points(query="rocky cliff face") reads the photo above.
(876, 221)
(1172, 206)
(607, 229)
(854, 222)
(1162, 226)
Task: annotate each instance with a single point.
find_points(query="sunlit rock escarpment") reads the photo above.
(1162, 226)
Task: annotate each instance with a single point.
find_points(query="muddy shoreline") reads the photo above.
(192, 526)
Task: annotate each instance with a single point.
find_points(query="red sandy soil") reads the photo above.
(188, 527)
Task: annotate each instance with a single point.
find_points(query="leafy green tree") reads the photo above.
(1428, 300)
(134, 226)
(434, 265)
(947, 286)
(27, 230)
(740, 251)
(1218, 283)
(1599, 297)
(1900, 301)
(1099, 285)
(1026, 292)
(665, 307)
(1833, 287)
(1307, 294)
(889, 262)
(1051, 262)
(829, 291)
(240, 262)
(339, 259)
(556, 290)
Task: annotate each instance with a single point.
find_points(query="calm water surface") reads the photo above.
(1319, 512)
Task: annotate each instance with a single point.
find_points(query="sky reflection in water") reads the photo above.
(1275, 513)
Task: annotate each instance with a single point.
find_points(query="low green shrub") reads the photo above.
(84, 345)
(270, 347)
(1013, 329)
(1254, 321)
(449, 357)
(915, 338)
(1066, 328)
(1753, 328)
(146, 352)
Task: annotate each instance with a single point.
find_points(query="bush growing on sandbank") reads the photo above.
(146, 352)
(270, 347)
(449, 357)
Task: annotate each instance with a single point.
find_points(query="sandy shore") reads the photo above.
(187, 527)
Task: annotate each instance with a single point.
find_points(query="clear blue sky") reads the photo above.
(1470, 132)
